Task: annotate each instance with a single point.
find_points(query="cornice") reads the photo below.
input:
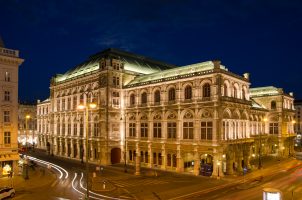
(11, 60)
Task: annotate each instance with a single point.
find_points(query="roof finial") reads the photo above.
(1, 42)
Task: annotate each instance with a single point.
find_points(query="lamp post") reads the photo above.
(85, 108)
(260, 145)
(125, 145)
(27, 117)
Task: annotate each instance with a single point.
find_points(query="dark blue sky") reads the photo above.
(258, 36)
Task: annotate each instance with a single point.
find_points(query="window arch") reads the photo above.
(188, 92)
(273, 105)
(243, 94)
(132, 99)
(144, 98)
(235, 91)
(206, 90)
(171, 94)
(225, 89)
(157, 96)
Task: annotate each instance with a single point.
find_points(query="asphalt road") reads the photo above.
(285, 176)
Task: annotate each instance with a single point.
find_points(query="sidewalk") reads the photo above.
(37, 178)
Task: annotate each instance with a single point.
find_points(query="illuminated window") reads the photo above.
(75, 102)
(206, 131)
(188, 130)
(144, 129)
(63, 104)
(69, 128)
(273, 128)
(6, 96)
(132, 130)
(58, 127)
(157, 130)
(188, 92)
(75, 129)
(82, 99)
(69, 103)
(7, 77)
(6, 116)
(171, 94)
(206, 90)
(171, 130)
(225, 88)
(7, 139)
(96, 128)
(243, 94)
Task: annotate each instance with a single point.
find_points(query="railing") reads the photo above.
(9, 52)
(233, 99)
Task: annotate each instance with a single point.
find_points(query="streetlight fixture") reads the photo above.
(85, 108)
(260, 145)
(27, 117)
(125, 145)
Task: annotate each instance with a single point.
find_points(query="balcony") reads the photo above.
(9, 52)
(235, 100)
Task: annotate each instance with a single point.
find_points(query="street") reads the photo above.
(111, 182)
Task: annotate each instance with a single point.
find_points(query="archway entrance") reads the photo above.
(206, 165)
(115, 155)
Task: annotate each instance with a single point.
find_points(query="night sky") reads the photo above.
(257, 36)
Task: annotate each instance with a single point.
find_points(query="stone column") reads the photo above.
(71, 148)
(78, 149)
(92, 153)
(85, 149)
(196, 162)
(150, 154)
(239, 161)
(66, 147)
(180, 163)
(138, 160)
(164, 157)
(61, 147)
(229, 163)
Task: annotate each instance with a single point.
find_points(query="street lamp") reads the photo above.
(27, 117)
(85, 108)
(125, 145)
(260, 146)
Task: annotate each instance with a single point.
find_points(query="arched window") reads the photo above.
(171, 94)
(81, 98)
(235, 92)
(132, 99)
(157, 96)
(206, 90)
(144, 98)
(188, 92)
(225, 89)
(243, 94)
(273, 105)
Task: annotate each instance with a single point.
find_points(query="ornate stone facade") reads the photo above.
(9, 65)
(199, 118)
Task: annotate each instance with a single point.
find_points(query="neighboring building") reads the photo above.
(187, 118)
(298, 116)
(9, 66)
(27, 125)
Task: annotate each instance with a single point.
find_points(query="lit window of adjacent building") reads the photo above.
(6, 96)
(171, 130)
(132, 131)
(157, 130)
(188, 92)
(144, 130)
(188, 130)
(7, 77)
(273, 128)
(206, 131)
(171, 94)
(6, 116)
(7, 137)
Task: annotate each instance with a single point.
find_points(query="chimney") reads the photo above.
(246, 76)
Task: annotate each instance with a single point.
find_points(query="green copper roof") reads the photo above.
(264, 91)
(132, 62)
(178, 72)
